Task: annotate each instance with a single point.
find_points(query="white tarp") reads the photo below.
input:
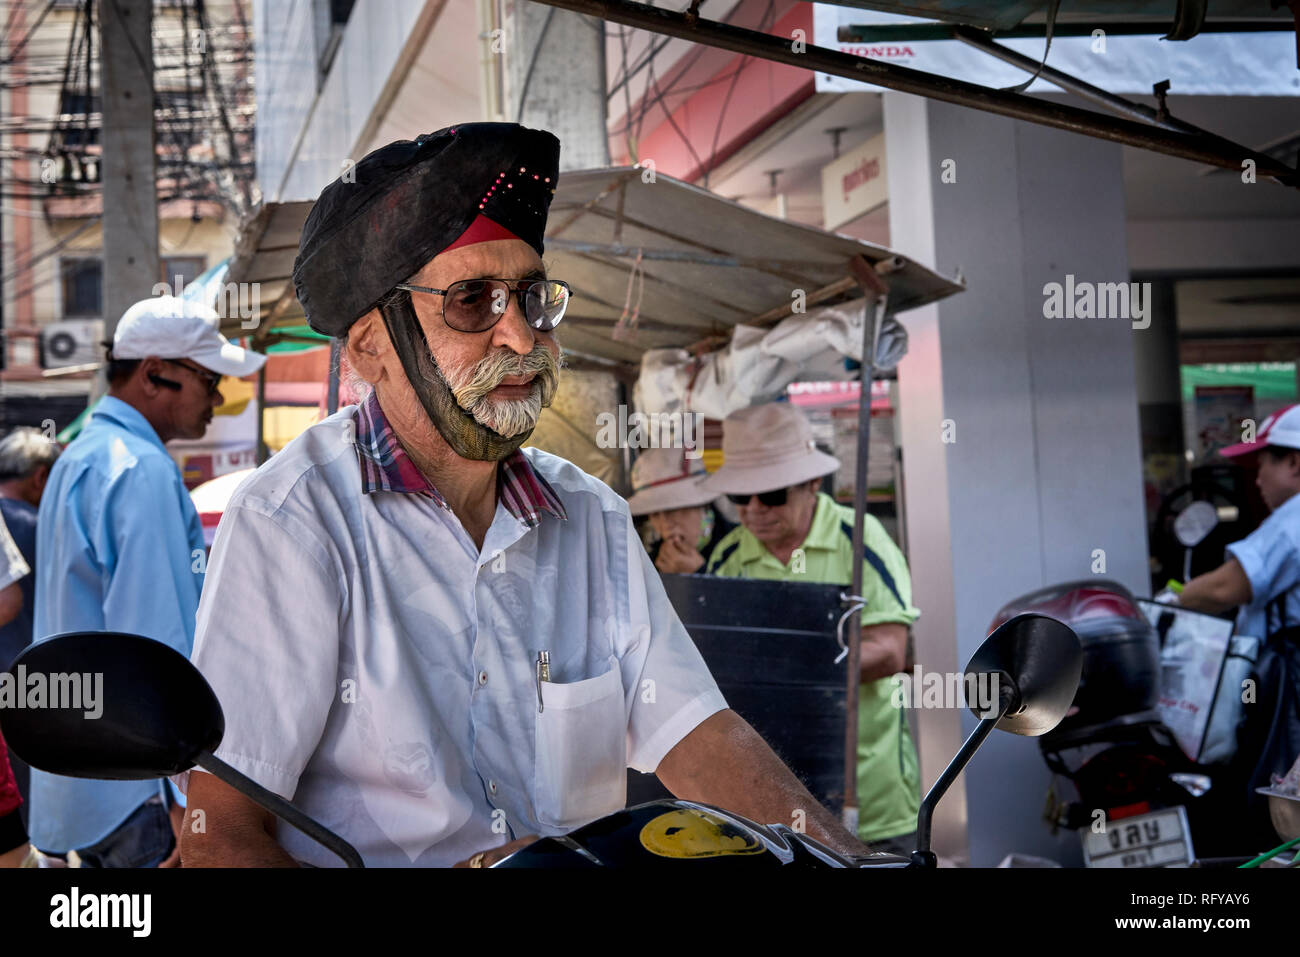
(1222, 64)
(758, 364)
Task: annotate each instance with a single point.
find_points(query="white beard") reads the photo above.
(472, 387)
(509, 417)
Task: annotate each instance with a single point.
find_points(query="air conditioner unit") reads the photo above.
(72, 342)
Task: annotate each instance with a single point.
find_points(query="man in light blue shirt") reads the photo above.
(1262, 573)
(121, 549)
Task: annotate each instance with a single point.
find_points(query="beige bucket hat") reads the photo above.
(665, 479)
(767, 447)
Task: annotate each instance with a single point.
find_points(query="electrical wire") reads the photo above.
(532, 64)
(60, 54)
(659, 98)
(627, 93)
(31, 262)
(18, 47)
(673, 123)
(722, 114)
(183, 114)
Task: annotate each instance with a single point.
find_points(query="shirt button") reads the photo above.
(482, 677)
(492, 786)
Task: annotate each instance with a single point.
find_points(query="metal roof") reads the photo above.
(695, 263)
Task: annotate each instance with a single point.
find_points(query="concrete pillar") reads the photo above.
(565, 90)
(1160, 398)
(128, 171)
(1019, 433)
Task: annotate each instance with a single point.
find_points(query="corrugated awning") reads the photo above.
(689, 264)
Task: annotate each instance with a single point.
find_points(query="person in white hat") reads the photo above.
(666, 489)
(120, 549)
(1262, 576)
(790, 531)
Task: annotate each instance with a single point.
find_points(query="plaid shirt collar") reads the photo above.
(385, 467)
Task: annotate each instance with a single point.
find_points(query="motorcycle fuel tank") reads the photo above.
(672, 833)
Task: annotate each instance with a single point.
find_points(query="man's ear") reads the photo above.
(150, 366)
(363, 349)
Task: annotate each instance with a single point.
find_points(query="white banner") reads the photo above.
(1222, 64)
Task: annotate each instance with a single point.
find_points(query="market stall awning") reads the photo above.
(264, 252)
(654, 262)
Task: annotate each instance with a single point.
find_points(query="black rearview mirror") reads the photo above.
(1030, 667)
(115, 706)
(108, 705)
(1041, 660)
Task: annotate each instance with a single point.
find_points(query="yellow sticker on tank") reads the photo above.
(687, 833)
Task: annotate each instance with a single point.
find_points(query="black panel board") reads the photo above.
(771, 647)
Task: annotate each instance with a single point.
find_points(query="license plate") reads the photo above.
(1158, 839)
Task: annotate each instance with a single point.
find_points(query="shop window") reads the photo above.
(177, 272)
(76, 132)
(83, 287)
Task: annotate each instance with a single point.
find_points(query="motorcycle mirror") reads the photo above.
(1028, 672)
(1194, 523)
(100, 704)
(110, 706)
(1032, 665)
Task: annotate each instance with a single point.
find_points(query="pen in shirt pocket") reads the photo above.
(543, 674)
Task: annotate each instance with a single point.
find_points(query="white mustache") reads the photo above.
(507, 417)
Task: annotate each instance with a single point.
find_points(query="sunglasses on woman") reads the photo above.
(770, 499)
(476, 305)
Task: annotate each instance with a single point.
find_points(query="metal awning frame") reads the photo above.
(1184, 141)
(624, 241)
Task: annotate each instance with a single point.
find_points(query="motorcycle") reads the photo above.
(1140, 800)
(171, 721)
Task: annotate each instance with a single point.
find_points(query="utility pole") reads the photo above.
(555, 80)
(130, 224)
(555, 62)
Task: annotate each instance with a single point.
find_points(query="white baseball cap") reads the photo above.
(1281, 429)
(172, 328)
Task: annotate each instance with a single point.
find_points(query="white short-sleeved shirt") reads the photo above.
(380, 671)
(1270, 557)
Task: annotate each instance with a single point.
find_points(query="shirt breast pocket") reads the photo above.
(581, 743)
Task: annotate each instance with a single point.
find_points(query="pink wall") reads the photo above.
(764, 92)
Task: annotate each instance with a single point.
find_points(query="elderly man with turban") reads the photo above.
(434, 642)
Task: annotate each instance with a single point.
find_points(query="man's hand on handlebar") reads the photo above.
(492, 855)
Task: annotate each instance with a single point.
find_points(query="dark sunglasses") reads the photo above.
(770, 499)
(476, 305)
(212, 380)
